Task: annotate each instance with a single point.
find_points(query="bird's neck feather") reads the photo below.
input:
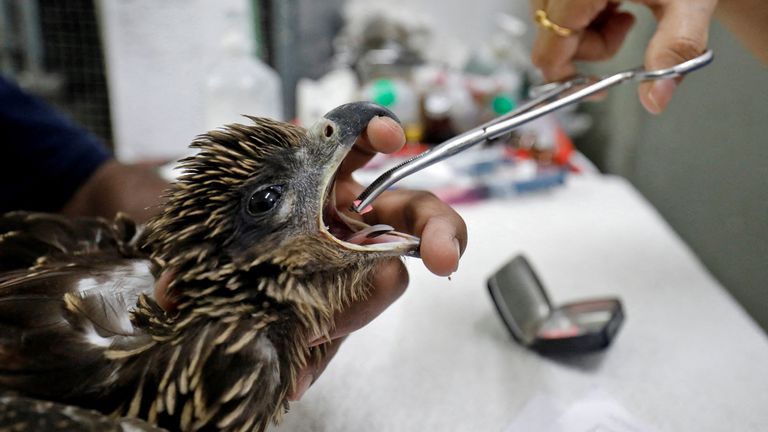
(243, 319)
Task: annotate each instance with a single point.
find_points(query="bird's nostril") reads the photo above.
(328, 131)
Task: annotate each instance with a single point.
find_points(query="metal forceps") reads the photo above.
(550, 97)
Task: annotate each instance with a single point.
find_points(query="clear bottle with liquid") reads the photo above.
(239, 83)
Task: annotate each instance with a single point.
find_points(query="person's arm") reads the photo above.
(49, 164)
(114, 187)
(748, 20)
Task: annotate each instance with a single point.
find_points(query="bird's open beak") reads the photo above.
(349, 121)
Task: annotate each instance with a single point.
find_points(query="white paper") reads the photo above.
(595, 412)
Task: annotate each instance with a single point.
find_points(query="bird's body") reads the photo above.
(261, 260)
(26, 414)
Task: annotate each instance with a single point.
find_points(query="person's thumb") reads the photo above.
(681, 35)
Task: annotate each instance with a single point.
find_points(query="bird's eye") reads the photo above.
(264, 200)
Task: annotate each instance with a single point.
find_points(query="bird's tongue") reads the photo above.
(371, 234)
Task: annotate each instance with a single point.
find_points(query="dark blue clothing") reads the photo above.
(44, 157)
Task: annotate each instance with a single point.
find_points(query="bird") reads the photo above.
(261, 254)
(21, 414)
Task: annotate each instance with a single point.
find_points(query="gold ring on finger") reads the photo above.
(543, 21)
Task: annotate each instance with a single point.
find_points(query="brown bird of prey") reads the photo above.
(261, 257)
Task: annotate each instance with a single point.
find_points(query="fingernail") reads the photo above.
(391, 123)
(458, 253)
(396, 130)
(301, 387)
(660, 94)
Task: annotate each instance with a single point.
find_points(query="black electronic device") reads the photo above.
(526, 310)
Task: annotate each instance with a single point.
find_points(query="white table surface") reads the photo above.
(687, 358)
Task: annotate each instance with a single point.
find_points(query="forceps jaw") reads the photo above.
(551, 97)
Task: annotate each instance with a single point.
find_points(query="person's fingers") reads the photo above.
(442, 231)
(441, 247)
(389, 283)
(603, 39)
(162, 297)
(681, 35)
(383, 135)
(443, 235)
(554, 54)
(575, 14)
(312, 371)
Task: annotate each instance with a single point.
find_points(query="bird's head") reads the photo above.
(262, 196)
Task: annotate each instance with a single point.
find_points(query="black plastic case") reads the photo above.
(526, 310)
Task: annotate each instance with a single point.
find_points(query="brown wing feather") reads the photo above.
(20, 413)
(45, 259)
(26, 238)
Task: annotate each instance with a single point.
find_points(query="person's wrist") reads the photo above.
(116, 187)
(86, 200)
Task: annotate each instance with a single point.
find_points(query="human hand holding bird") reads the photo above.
(263, 266)
(442, 231)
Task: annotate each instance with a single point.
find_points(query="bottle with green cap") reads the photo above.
(503, 103)
(496, 105)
